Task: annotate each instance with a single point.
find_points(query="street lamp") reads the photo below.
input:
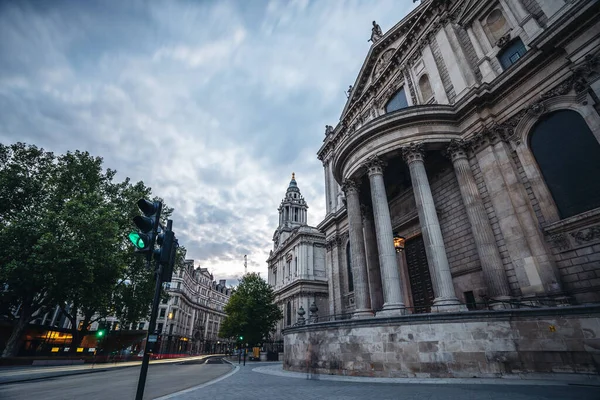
(399, 243)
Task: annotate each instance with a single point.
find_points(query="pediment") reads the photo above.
(393, 49)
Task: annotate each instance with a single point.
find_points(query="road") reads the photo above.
(268, 381)
(118, 383)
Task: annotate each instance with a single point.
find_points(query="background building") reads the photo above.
(187, 322)
(471, 141)
(190, 319)
(297, 262)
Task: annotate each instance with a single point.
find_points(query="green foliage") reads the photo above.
(251, 311)
(63, 238)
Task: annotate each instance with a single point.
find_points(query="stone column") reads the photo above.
(494, 273)
(435, 250)
(327, 191)
(483, 63)
(357, 248)
(390, 277)
(375, 287)
(330, 243)
(332, 189)
(543, 259)
(335, 266)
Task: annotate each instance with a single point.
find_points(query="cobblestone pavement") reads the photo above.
(247, 383)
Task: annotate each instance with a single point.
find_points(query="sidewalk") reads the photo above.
(268, 381)
(530, 379)
(23, 374)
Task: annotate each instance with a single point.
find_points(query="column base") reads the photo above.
(447, 305)
(392, 310)
(362, 313)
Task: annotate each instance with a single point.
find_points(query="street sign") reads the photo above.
(152, 338)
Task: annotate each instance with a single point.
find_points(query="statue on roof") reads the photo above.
(376, 33)
(328, 130)
(349, 91)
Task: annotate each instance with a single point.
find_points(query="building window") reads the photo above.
(511, 53)
(289, 313)
(349, 266)
(162, 312)
(160, 328)
(178, 285)
(568, 155)
(496, 26)
(397, 102)
(141, 326)
(425, 88)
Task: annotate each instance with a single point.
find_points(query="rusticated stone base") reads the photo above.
(465, 344)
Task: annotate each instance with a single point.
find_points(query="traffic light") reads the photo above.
(100, 333)
(165, 242)
(167, 272)
(148, 223)
(241, 338)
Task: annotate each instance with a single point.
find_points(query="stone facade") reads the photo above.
(456, 168)
(296, 265)
(482, 344)
(462, 176)
(190, 319)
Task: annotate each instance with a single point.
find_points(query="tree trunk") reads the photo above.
(14, 341)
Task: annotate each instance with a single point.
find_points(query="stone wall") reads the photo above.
(468, 344)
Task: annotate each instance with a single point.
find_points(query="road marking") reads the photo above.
(173, 395)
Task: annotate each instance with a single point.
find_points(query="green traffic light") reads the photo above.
(137, 240)
(100, 333)
(241, 338)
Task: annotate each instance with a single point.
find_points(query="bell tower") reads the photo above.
(293, 208)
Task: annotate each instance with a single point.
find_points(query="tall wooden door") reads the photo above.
(418, 272)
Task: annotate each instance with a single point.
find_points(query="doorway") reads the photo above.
(418, 273)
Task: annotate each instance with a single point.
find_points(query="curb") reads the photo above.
(278, 371)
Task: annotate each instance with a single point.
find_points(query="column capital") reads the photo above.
(374, 165)
(413, 152)
(457, 149)
(350, 186)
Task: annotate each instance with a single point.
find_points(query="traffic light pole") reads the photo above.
(152, 327)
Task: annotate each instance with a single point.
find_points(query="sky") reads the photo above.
(213, 104)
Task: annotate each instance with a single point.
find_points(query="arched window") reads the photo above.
(511, 53)
(568, 155)
(425, 88)
(397, 102)
(289, 313)
(496, 25)
(349, 266)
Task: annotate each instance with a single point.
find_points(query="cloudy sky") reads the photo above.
(232, 95)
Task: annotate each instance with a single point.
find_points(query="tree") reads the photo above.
(251, 311)
(26, 183)
(63, 241)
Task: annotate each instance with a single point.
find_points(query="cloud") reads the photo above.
(213, 104)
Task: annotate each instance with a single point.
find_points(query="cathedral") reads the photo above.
(462, 234)
(296, 265)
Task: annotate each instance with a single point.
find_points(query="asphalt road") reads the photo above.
(118, 384)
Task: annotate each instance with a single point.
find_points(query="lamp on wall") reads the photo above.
(399, 243)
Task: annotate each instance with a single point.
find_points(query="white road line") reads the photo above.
(173, 395)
